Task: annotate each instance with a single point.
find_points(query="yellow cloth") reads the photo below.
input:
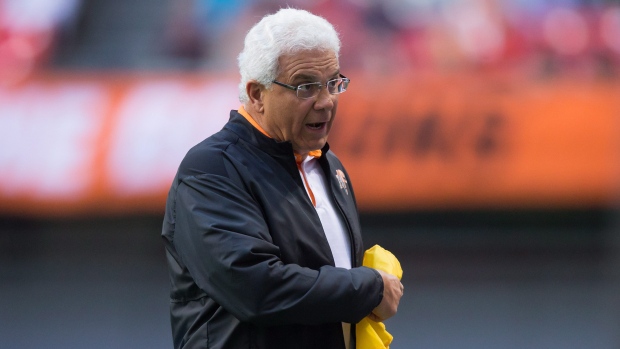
(371, 334)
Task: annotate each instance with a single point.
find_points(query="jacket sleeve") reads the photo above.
(224, 242)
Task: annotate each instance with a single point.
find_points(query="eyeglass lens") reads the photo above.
(334, 86)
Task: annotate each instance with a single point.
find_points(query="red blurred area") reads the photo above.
(28, 35)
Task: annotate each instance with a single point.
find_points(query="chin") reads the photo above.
(319, 145)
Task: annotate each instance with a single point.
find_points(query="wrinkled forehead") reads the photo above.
(313, 62)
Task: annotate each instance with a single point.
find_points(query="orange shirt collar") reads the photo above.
(314, 153)
(251, 120)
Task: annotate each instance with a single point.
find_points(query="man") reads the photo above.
(261, 228)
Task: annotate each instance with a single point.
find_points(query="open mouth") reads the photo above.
(317, 125)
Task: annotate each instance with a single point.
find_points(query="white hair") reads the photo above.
(286, 32)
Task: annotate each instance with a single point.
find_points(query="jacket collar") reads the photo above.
(253, 133)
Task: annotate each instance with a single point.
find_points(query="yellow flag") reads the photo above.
(371, 334)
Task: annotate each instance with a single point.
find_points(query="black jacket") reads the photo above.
(249, 262)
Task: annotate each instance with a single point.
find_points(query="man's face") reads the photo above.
(303, 122)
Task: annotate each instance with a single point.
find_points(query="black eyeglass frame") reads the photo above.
(296, 88)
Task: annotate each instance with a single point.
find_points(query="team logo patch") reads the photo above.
(343, 181)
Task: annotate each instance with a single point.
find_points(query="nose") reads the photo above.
(325, 100)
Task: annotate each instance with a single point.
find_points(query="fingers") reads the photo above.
(392, 292)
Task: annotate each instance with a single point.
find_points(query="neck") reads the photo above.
(299, 156)
(243, 110)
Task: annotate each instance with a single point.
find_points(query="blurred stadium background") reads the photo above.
(482, 136)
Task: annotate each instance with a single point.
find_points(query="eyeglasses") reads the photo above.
(310, 90)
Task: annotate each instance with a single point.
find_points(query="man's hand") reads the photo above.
(392, 291)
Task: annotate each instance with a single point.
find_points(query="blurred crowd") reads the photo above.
(543, 37)
(28, 33)
(548, 36)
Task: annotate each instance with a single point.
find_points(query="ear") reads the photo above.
(256, 92)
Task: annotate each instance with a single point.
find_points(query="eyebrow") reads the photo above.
(304, 77)
(313, 78)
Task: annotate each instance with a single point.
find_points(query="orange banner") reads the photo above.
(481, 142)
(110, 144)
